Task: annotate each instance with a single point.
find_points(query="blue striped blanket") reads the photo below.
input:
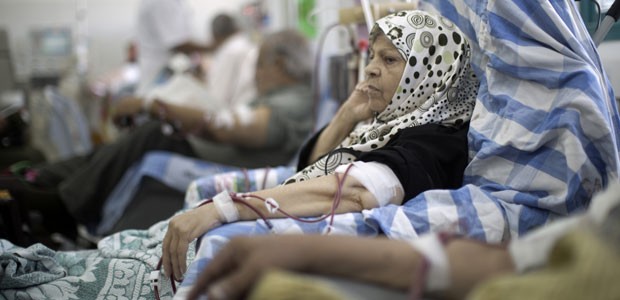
(543, 138)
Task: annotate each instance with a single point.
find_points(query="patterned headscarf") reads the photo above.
(437, 86)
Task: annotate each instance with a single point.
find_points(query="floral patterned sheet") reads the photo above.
(118, 269)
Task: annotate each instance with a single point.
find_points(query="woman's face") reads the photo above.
(383, 72)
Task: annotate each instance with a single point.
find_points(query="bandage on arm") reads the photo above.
(226, 118)
(438, 272)
(241, 126)
(532, 250)
(378, 179)
(226, 207)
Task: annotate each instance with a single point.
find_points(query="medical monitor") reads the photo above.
(51, 42)
(51, 50)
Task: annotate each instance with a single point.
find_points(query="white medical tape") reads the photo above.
(328, 229)
(378, 179)
(438, 276)
(226, 207)
(272, 205)
(245, 115)
(154, 279)
(220, 119)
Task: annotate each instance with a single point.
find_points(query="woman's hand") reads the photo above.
(357, 107)
(182, 230)
(353, 111)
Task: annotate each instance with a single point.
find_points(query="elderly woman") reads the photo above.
(402, 131)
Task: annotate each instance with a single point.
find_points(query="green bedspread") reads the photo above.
(118, 269)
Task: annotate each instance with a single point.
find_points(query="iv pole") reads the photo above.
(611, 17)
(367, 14)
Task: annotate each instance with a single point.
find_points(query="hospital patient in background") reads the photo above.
(230, 63)
(122, 80)
(225, 79)
(268, 131)
(163, 27)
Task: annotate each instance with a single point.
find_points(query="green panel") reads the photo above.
(305, 23)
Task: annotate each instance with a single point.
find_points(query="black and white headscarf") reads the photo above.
(437, 86)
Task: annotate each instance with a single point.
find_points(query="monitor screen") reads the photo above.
(51, 42)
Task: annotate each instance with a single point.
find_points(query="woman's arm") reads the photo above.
(352, 112)
(312, 198)
(335, 132)
(125, 107)
(413, 158)
(302, 199)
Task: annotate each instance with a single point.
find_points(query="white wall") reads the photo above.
(611, 62)
(20, 16)
(110, 26)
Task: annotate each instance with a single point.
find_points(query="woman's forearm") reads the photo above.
(312, 198)
(353, 111)
(337, 130)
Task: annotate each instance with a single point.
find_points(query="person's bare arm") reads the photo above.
(313, 197)
(126, 107)
(352, 112)
(187, 119)
(471, 263)
(389, 263)
(190, 47)
(243, 261)
(250, 132)
(302, 199)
